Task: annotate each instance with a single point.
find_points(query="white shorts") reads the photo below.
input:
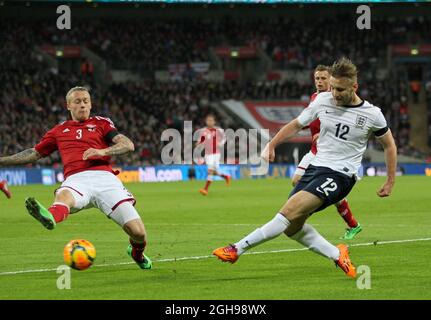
(304, 163)
(99, 189)
(213, 161)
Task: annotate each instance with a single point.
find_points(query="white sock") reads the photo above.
(309, 237)
(269, 231)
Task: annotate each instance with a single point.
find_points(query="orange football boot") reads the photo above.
(227, 254)
(228, 180)
(344, 261)
(5, 189)
(203, 192)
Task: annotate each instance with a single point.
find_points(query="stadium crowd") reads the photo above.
(32, 93)
(151, 44)
(428, 95)
(325, 38)
(142, 45)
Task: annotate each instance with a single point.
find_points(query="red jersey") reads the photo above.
(314, 127)
(72, 138)
(212, 138)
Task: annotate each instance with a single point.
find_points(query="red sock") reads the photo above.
(224, 176)
(1, 184)
(60, 211)
(138, 250)
(207, 185)
(344, 210)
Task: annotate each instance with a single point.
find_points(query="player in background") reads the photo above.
(4, 188)
(85, 144)
(346, 123)
(213, 139)
(321, 82)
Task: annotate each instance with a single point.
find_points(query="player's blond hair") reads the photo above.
(72, 90)
(344, 68)
(322, 67)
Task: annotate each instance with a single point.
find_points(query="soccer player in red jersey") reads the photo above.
(5, 189)
(321, 82)
(213, 138)
(85, 144)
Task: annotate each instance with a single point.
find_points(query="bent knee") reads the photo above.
(293, 213)
(294, 227)
(65, 196)
(126, 214)
(135, 229)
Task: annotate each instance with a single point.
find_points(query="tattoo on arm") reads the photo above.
(24, 157)
(122, 145)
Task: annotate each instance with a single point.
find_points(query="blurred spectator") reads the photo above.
(87, 68)
(415, 88)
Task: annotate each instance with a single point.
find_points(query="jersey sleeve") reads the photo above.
(109, 129)
(309, 114)
(380, 126)
(47, 145)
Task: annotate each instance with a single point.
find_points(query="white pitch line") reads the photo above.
(210, 256)
(26, 271)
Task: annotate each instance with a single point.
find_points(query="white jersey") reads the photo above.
(344, 132)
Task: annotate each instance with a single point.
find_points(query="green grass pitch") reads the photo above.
(184, 227)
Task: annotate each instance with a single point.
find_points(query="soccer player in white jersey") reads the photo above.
(347, 122)
(321, 82)
(213, 139)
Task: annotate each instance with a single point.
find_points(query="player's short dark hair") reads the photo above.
(210, 115)
(77, 88)
(344, 68)
(322, 67)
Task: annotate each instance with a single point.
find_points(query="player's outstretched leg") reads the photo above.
(204, 190)
(136, 251)
(297, 208)
(344, 261)
(127, 216)
(310, 238)
(40, 213)
(5, 189)
(226, 177)
(269, 231)
(294, 212)
(56, 213)
(290, 220)
(345, 212)
(210, 176)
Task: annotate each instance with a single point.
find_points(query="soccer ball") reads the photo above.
(79, 254)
